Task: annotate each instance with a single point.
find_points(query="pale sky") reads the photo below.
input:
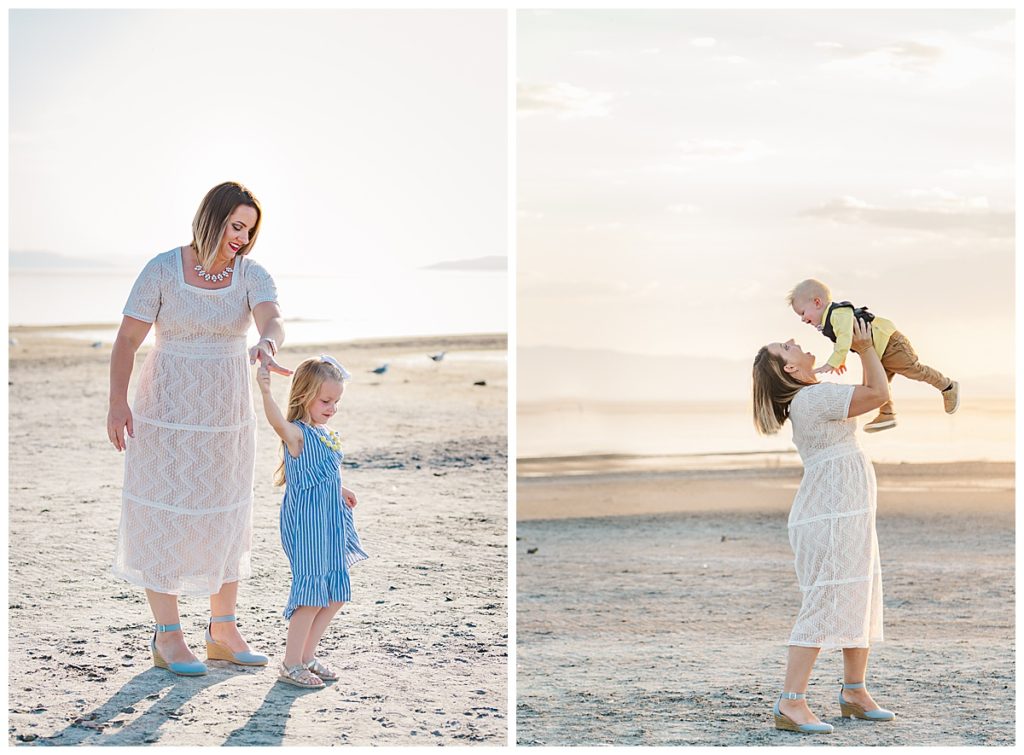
(679, 171)
(372, 139)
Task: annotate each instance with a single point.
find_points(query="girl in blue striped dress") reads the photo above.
(317, 529)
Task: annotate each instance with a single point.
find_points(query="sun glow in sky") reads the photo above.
(682, 170)
(373, 139)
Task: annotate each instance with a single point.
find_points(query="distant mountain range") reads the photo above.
(493, 262)
(547, 373)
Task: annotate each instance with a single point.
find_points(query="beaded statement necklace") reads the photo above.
(332, 440)
(221, 276)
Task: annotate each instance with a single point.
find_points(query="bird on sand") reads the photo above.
(437, 357)
(380, 370)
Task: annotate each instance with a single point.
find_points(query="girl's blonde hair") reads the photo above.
(307, 380)
(774, 389)
(212, 218)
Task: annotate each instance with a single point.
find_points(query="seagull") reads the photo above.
(97, 344)
(380, 370)
(437, 357)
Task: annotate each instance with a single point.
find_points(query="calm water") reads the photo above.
(316, 309)
(982, 429)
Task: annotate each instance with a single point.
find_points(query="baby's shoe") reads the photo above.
(951, 397)
(883, 421)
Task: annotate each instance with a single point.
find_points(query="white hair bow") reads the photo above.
(345, 375)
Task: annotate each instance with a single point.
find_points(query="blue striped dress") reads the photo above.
(317, 529)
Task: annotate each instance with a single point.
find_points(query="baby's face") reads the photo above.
(809, 310)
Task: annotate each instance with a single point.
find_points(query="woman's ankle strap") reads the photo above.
(218, 619)
(858, 685)
(168, 627)
(794, 695)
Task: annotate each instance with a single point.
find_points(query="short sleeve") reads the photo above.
(145, 299)
(259, 286)
(833, 400)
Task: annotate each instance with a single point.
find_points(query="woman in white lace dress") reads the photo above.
(831, 523)
(190, 434)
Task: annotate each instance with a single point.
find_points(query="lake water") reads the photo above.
(316, 309)
(982, 429)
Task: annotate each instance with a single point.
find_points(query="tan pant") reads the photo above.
(899, 359)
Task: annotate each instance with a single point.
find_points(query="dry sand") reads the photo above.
(654, 609)
(423, 646)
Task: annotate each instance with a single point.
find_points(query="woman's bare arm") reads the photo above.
(875, 390)
(130, 336)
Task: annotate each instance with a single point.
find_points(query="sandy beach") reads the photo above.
(422, 648)
(653, 608)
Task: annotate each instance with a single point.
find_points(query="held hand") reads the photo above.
(119, 417)
(348, 497)
(263, 379)
(861, 336)
(262, 352)
(824, 368)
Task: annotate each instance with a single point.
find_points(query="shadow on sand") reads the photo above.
(167, 697)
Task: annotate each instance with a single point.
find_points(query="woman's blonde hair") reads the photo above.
(212, 218)
(307, 380)
(774, 389)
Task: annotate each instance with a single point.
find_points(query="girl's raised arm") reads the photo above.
(289, 433)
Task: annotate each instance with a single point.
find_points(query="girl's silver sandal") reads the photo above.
(324, 672)
(300, 676)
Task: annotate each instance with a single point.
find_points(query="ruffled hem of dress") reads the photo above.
(243, 573)
(318, 590)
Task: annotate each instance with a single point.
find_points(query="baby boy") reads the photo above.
(812, 300)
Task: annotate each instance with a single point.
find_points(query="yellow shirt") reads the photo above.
(842, 324)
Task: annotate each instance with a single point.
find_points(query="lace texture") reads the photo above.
(186, 514)
(832, 525)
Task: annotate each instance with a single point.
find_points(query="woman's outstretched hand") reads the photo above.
(862, 340)
(261, 351)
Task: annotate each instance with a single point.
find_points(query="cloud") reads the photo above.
(945, 217)
(900, 59)
(727, 151)
(731, 59)
(683, 209)
(563, 100)
(982, 170)
(703, 41)
(949, 199)
(1002, 33)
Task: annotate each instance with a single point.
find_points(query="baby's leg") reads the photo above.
(298, 631)
(900, 358)
(888, 407)
(317, 629)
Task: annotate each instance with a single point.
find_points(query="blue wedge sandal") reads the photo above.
(181, 668)
(853, 710)
(784, 722)
(218, 651)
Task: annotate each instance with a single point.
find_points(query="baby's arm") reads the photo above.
(842, 324)
(289, 433)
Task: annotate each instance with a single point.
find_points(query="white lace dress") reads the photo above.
(832, 525)
(186, 514)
